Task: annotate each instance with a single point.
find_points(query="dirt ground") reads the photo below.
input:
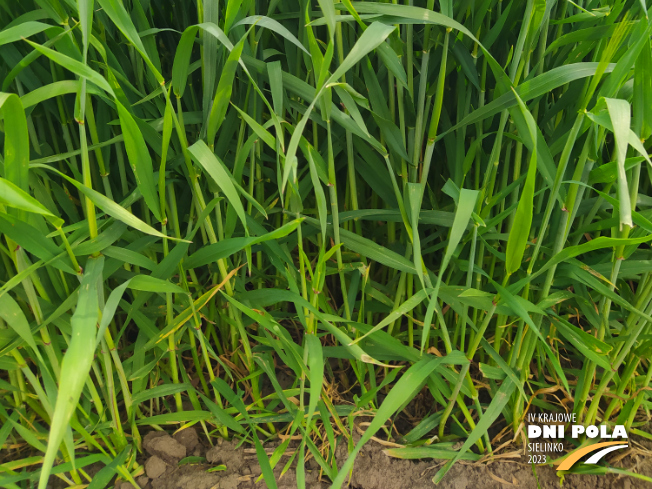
(373, 469)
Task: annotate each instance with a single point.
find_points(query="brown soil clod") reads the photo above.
(143, 480)
(164, 446)
(188, 438)
(155, 467)
(189, 477)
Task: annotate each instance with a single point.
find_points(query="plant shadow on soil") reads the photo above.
(372, 470)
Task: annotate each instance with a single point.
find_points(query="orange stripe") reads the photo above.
(580, 452)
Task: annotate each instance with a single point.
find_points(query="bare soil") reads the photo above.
(373, 469)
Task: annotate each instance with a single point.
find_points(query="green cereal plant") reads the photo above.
(444, 204)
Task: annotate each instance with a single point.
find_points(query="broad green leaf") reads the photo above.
(272, 25)
(12, 196)
(530, 89)
(311, 155)
(406, 307)
(642, 98)
(603, 119)
(13, 315)
(225, 248)
(56, 89)
(592, 348)
(120, 17)
(374, 251)
(159, 391)
(232, 10)
(21, 31)
(139, 159)
(85, 8)
(175, 418)
(414, 197)
(214, 167)
(221, 415)
(520, 231)
(182, 60)
(148, 283)
(263, 133)
(106, 473)
(328, 9)
(223, 93)
(315, 372)
(595, 244)
(75, 66)
(33, 241)
(352, 107)
(16, 143)
(465, 205)
(76, 363)
(431, 451)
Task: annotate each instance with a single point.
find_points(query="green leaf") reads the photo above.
(595, 244)
(159, 391)
(272, 25)
(465, 205)
(315, 373)
(520, 231)
(376, 252)
(16, 142)
(328, 9)
(182, 60)
(76, 362)
(431, 451)
(227, 247)
(311, 155)
(104, 476)
(642, 99)
(224, 89)
(13, 315)
(21, 31)
(221, 415)
(139, 159)
(592, 348)
(406, 307)
(148, 283)
(85, 8)
(120, 17)
(263, 133)
(75, 66)
(56, 89)
(12, 196)
(215, 168)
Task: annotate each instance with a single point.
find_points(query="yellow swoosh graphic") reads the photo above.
(579, 453)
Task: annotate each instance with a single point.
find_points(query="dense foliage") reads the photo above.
(441, 205)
